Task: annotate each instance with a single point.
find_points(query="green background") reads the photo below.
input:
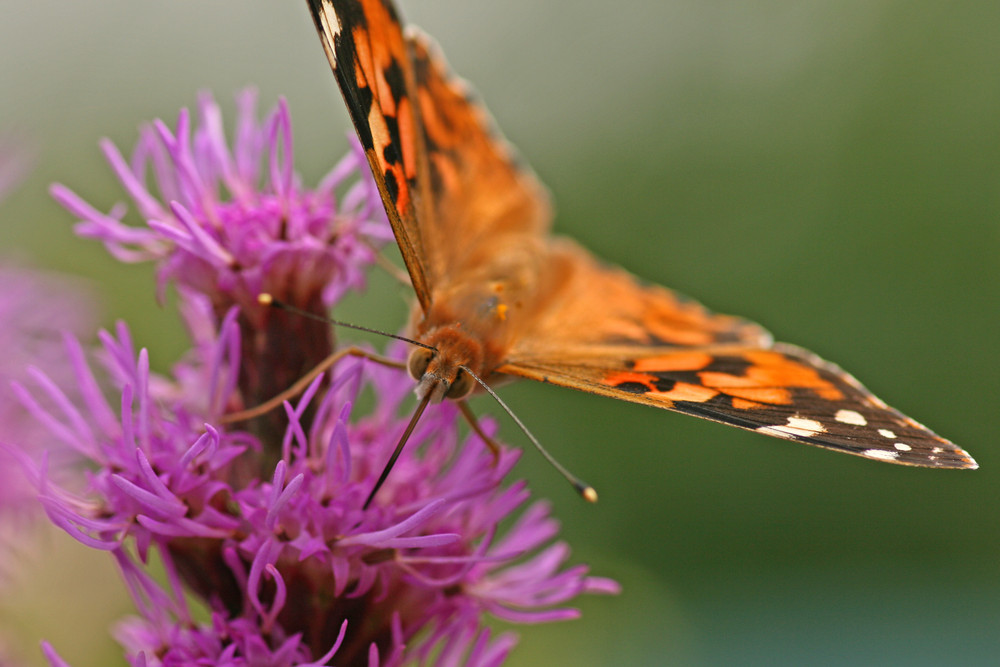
(830, 168)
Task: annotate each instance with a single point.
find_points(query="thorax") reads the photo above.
(478, 311)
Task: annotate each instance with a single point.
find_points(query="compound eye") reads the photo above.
(462, 386)
(418, 362)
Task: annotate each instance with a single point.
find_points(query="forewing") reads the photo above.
(586, 308)
(602, 331)
(370, 58)
(448, 179)
(784, 391)
(477, 188)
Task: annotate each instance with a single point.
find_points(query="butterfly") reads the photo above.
(497, 296)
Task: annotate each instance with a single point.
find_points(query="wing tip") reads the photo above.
(945, 457)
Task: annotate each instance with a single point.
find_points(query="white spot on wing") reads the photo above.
(902, 446)
(797, 427)
(883, 454)
(850, 417)
(886, 433)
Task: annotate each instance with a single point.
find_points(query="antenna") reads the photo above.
(266, 299)
(584, 490)
(399, 448)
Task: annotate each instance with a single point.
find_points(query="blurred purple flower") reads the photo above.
(265, 524)
(36, 310)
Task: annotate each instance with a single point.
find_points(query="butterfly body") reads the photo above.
(472, 321)
(498, 296)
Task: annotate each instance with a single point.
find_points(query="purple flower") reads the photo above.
(227, 225)
(285, 561)
(36, 310)
(263, 521)
(231, 224)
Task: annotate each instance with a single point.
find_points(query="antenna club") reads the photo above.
(265, 299)
(588, 493)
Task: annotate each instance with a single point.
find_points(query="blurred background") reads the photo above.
(830, 168)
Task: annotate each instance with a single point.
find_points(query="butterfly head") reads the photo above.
(442, 369)
(440, 380)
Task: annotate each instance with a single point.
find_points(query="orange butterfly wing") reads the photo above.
(785, 392)
(479, 190)
(605, 333)
(443, 170)
(372, 64)
(470, 222)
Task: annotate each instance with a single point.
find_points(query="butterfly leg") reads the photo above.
(306, 379)
(470, 417)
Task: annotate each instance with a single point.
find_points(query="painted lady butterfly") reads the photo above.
(500, 297)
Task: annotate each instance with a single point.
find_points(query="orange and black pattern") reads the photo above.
(371, 61)
(783, 391)
(498, 296)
